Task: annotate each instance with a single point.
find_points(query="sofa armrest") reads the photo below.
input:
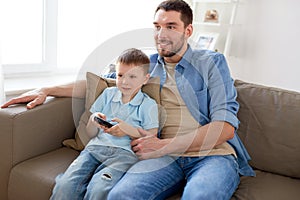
(28, 133)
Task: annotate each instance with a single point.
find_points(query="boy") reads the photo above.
(108, 154)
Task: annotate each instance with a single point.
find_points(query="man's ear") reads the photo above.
(189, 30)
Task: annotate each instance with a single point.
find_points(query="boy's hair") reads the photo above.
(135, 57)
(180, 6)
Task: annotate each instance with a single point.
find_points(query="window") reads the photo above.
(28, 42)
(45, 42)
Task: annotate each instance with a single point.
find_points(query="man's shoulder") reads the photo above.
(208, 58)
(205, 53)
(153, 58)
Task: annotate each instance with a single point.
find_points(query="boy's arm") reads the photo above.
(134, 133)
(152, 131)
(91, 129)
(123, 128)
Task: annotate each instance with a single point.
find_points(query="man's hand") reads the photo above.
(148, 146)
(201, 139)
(34, 97)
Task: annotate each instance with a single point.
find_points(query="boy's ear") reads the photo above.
(147, 77)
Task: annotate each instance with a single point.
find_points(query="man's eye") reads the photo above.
(171, 27)
(157, 28)
(120, 75)
(132, 76)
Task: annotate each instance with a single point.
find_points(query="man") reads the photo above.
(198, 146)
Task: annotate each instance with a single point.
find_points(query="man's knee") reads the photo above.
(117, 193)
(62, 183)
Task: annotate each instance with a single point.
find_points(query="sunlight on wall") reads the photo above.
(270, 44)
(84, 25)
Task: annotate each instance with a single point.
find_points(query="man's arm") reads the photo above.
(38, 96)
(204, 138)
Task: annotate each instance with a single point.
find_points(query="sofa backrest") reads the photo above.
(270, 127)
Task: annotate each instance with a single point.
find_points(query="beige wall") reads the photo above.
(268, 47)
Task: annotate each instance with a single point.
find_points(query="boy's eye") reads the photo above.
(120, 75)
(132, 76)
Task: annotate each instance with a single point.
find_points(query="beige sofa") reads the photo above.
(32, 152)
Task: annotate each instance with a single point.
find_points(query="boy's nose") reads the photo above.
(124, 80)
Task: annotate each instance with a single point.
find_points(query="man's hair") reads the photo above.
(180, 6)
(134, 57)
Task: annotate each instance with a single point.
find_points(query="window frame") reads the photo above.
(49, 46)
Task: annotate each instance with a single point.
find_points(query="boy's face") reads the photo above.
(130, 79)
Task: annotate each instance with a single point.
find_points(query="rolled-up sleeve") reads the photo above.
(222, 93)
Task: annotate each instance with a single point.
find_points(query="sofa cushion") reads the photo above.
(267, 186)
(95, 86)
(270, 127)
(35, 178)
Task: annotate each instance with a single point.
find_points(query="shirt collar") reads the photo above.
(137, 99)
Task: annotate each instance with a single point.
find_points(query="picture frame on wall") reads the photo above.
(207, 41)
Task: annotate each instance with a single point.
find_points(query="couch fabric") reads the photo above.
(33, 155)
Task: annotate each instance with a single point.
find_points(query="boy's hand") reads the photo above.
(122, 129)
(95, 123)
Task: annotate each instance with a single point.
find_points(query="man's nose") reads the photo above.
(162, 33)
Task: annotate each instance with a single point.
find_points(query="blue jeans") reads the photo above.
(211, 177)
(93, 173)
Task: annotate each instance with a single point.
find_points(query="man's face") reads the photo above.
(130, 79)
(170, 34)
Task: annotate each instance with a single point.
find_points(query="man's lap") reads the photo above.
(216, 177)
(161, 177)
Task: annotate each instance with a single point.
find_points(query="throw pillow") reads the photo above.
(95, 86)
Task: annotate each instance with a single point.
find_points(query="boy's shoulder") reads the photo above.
(147, 99)
(109, 91)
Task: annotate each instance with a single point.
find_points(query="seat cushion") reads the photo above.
(267, 186)
(35, 178)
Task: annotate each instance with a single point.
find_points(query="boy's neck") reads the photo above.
(127, 98)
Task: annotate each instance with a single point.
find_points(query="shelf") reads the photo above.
(207, 23)
(224, 25)
(214, 1)
(216, 24)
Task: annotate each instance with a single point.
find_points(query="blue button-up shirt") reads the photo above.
(140, 112)
(204, 83)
